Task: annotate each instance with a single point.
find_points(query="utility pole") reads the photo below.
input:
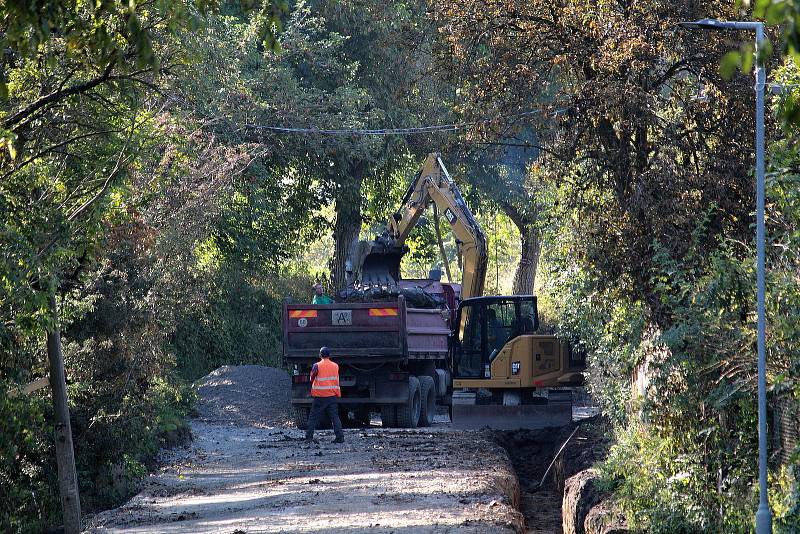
(763, 513)
(65, 454)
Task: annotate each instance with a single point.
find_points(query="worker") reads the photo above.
(319, 295)
(325, 390)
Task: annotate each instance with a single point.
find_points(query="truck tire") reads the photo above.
(427, 389)
(408, 413)
(388, 416)
(300, 416)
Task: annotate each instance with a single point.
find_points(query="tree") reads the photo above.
(618, 115)
(505, 173)
(59, 62)
(351, 65)
(76, 121)
(649, 191)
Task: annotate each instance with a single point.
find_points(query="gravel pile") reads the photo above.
(245, 395)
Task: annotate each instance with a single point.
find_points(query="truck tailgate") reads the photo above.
(353, 330)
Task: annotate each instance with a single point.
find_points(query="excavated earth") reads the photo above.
(541, 474)
(248, 471)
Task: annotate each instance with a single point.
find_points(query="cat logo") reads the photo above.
(451, 217)
(342, 317)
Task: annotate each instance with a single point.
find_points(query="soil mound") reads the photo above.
(245, 395)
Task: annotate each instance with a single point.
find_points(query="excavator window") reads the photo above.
(471, 349)
(488, 324)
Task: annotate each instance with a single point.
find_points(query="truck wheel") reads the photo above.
(388, 416)
(300, 416)
(408, 413)
(347, 421)
(427, 390)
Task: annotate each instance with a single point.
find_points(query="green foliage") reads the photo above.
(108, 189)
(121, 427)
(240, 322)
(28, 501)
(784, 500)
(785, 15)
(648, 238)
(661, 483)
(686, 446)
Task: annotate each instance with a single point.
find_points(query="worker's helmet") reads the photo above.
(324, 351)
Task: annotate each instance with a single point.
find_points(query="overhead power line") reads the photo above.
(384, 131)
(394, 131)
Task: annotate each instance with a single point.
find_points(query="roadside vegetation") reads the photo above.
(604, 153)
(648, 232)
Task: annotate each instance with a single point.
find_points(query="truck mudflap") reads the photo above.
(466, 414)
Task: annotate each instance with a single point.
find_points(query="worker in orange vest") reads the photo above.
(325, 390)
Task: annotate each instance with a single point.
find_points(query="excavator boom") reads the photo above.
(377, 263)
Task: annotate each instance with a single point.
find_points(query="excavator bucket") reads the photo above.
(467, 415)
(381, 266)
(375, 263)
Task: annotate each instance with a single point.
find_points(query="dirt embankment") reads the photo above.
(533, 451)
(247, 470)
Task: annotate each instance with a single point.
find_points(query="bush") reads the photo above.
(119, 431)
(28, 493)
(240, 323)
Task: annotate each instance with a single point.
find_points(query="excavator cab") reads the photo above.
(488, 324)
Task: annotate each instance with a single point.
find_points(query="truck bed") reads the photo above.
(364, 331)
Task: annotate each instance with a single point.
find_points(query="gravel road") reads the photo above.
(248, 471)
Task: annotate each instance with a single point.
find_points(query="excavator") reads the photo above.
(505, 375)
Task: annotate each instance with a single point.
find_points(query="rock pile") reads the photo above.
(245, 395)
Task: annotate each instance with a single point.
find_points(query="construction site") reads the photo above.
(463, 414)
(358, 266)
(247, 469)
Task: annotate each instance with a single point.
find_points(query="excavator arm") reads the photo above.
(378, 262)
(433, 184)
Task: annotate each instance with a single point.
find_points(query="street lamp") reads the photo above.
(763, 515)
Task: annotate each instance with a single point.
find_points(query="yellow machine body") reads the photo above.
(528, 361)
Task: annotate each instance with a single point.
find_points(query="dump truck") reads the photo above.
(393, 357)
(404, 346)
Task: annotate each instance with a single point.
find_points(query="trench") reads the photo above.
(530, 452)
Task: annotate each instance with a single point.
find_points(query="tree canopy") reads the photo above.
(147, 187)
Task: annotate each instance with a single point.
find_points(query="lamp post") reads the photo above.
(763, 515)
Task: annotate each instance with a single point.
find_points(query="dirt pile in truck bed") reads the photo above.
(245, 395)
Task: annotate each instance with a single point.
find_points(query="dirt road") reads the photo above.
(241, 478)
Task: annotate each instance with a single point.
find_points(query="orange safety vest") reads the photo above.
(326, 383)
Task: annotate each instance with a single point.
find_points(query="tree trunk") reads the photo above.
(65, 455)
(347, 227)
(525, 277)
(531, 247)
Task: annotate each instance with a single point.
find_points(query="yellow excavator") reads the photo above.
(503, 373)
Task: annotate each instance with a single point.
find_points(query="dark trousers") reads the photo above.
(320, 407)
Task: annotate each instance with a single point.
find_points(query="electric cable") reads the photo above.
(394, 131)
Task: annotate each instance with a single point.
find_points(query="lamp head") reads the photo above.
(707, 24)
